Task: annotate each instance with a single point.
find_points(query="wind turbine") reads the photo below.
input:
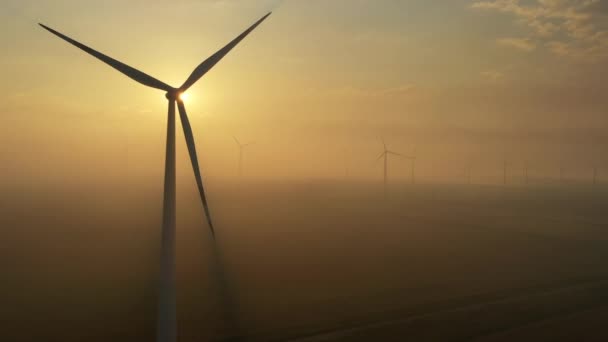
(345, 154)
(385, 155)
(241, 149)
(412, 159)
(167, 315)
(505, 166)
(595, 175)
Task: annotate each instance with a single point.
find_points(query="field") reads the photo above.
(310, 261)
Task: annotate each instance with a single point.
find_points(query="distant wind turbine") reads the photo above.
(412, 159)
(167, 315)
(595, 180)
(241, 150)
(504, 172)
(345, 154)
(385, 155)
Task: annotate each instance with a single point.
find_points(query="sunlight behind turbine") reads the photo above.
(185, 97)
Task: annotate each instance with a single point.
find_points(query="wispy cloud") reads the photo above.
(493, 75)
(358, 92)
(524, 44)
(571, 28)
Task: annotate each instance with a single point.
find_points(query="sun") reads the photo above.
(184, 97)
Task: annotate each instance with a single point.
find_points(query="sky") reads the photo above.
(460, 82)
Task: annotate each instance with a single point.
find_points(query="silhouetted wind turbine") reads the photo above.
(412, 159)
(504, 172)
(167, 317)
(595, 175)
(241, 149)
(385, 155)
(345, 153)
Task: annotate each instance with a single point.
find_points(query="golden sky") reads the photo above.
(314, 86)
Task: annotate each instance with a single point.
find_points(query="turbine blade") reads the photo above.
(396, 154)
(210, 62)
(194, 159)
(380, 156)
(236, 140)
(123, 68)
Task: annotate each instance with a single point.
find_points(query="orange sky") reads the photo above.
(315, 86)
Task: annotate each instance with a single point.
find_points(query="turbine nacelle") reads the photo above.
(174, 95)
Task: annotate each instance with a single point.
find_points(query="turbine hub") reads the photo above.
(173, 95)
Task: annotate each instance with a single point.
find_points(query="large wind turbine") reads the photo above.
(385, 155)
(241, 150)
(167, 319)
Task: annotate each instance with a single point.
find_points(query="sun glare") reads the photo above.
(184, 97)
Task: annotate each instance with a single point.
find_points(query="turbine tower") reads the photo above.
(412, 159)
(385, 155)
(167, 315)
(595, 175)
(241, 149)
(504, 172)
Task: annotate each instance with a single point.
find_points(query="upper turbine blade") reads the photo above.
(194, 159)
(125, 69)
(236, 140)
(210, 62)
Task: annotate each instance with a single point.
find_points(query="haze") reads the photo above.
(466, 85)
(464, 82)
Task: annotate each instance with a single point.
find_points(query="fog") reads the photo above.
(301, 257)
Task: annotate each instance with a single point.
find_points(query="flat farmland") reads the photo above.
(306, 261)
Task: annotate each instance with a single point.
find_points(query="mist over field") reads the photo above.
(303, 258)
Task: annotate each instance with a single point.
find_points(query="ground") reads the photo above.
(310, 261)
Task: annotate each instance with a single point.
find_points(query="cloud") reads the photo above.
(269, 5)
(358, 92)
(524, 44)
(572, 28)
(492, 75)
(559, 48)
